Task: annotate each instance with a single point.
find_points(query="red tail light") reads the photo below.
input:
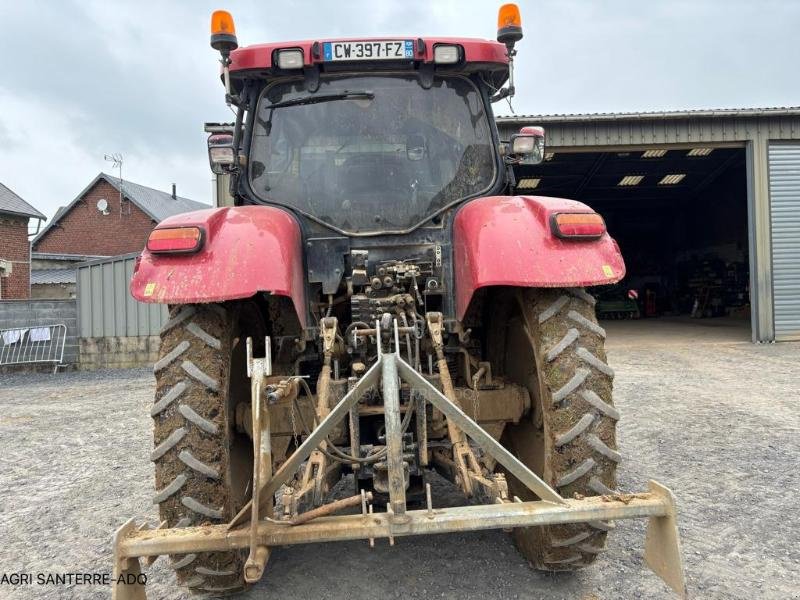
(578, 225)
(175, 239)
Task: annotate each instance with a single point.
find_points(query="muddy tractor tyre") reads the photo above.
(555, 348)
(202, 465)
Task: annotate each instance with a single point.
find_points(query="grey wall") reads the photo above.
(28, 313)
(119, 352)
(105, 305)
(53, 291)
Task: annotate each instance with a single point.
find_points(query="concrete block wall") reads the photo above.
(118, 352)
(28, 313)
(87, 354)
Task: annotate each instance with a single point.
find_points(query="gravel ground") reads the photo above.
(718, 423)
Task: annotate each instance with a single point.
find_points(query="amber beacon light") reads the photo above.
(509, 25)
(223, 32)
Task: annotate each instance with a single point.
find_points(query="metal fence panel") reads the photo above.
(34, 344)
(105, 306)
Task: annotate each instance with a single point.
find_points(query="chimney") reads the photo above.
(174, 196)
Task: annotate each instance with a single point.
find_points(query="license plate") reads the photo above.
(373, 50)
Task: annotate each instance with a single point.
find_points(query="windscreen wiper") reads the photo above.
(317, 99)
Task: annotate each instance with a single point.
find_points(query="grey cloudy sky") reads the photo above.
(85, 78)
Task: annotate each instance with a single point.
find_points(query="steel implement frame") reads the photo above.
(662, 552)
(394, 434)
(212, 538)
(289, 468)
(527, 477)
(662, 548)
(258, 369)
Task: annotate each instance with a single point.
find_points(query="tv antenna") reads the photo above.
(116, 158)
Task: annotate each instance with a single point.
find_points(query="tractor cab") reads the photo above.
(368, 137)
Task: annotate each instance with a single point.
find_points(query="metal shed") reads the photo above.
(767, 142)
(105, 305)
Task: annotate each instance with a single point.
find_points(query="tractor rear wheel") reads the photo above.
(202, 466)
(554, 346)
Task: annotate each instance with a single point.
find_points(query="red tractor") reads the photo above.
(378, 305)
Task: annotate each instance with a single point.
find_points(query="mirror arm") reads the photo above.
(241, 106)
(502, 93)
(225, 60)
(511, 178)
(509, 90)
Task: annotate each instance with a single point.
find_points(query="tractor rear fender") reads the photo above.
(509, 241)
(245, 250)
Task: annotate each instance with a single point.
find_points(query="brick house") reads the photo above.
(109, 217)
(15, 251)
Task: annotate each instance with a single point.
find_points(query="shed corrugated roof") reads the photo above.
(13, 204)
(46, 276)
(774, 111)
(65, 257)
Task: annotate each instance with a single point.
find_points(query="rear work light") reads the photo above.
(175, 240)
(446, 54)
(578, 225)
(290, 59)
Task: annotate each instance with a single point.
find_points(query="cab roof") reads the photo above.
(478, 54)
